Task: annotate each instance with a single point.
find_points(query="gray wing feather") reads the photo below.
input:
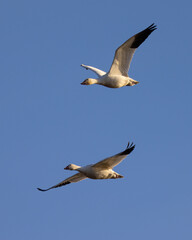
(109, 163)
(75, 178)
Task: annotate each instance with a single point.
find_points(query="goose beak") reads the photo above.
(86, 82)
(83, 83)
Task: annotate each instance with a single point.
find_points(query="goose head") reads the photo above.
(89, 81)
(72, 167)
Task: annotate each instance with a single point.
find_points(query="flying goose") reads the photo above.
(118, 74)
(100, 170)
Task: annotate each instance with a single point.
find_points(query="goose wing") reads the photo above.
(95, 70)
(109, 163)
(75, 178)
(124, 53)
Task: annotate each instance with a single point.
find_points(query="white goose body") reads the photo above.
(115, 81)
(101, 170)
(93, 173)
(118, 74)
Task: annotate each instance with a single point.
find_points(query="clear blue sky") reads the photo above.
(49, 120)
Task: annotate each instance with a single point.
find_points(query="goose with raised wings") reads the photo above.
(118, 74)
(100, 170)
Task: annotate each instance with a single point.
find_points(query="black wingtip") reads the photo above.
(129, 145)
(42, 190)
(152, 27)
(129, 149)
(141, 36)
(55, 186)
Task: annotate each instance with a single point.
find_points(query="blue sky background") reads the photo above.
(49, 120)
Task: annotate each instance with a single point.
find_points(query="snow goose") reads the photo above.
(100, 170)
(118, 74)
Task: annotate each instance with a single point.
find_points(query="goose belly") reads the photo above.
(102, 174)
(114, 81)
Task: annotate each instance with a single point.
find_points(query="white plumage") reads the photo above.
(100, 170)
(118, 74)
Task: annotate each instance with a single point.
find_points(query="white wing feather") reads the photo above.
(95, 70)
(124, 53)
